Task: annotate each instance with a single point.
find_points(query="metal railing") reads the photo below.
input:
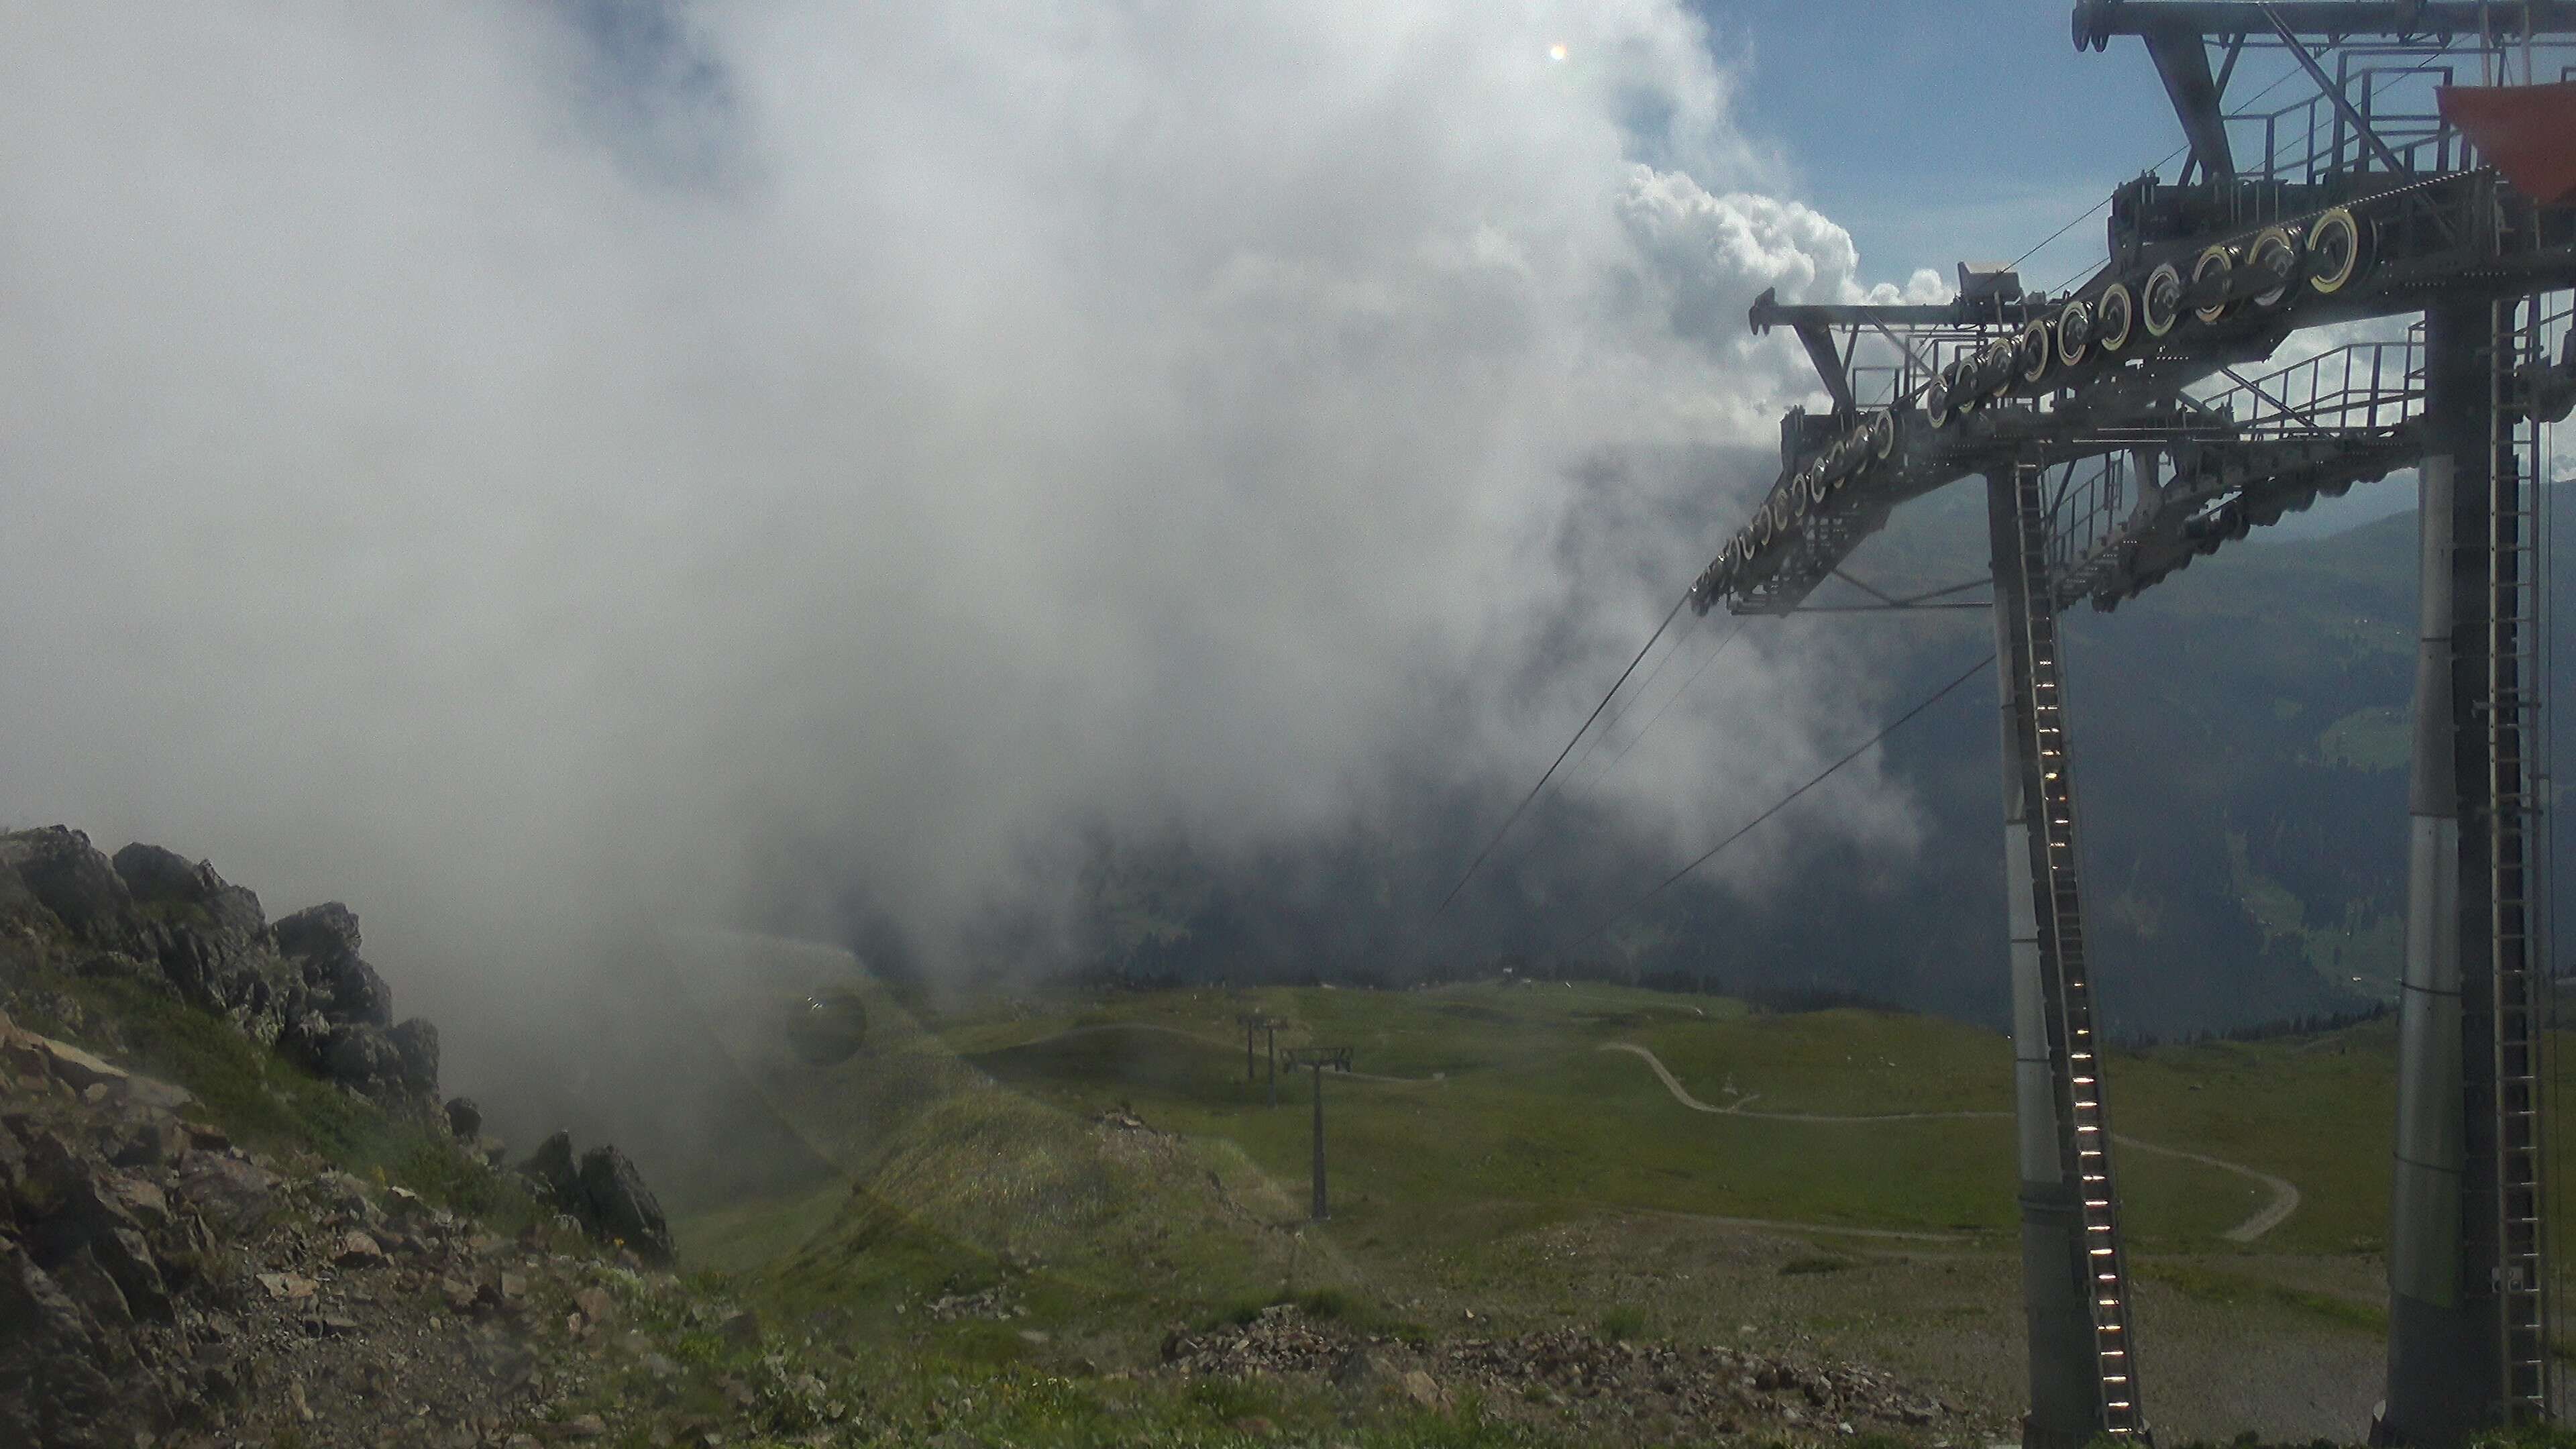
(2311, 140)
(2391, 89)
(2367, 387)
(2088, 500)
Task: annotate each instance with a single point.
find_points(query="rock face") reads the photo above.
(552, 1170)
(415, 1043)
(364, 1058)
(159, 1286)
(51, 1381)
(604, 1193)
(154, 874)
(210, 939)
(322, 941)
(94, 1249)
(149, 908)
(326, 931)
(74, 883)
(152, 918)
(619, 1207)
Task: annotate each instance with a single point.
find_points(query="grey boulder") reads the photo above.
(620, 1208)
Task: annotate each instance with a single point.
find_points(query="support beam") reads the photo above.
(2182, 63)
(1251, 1022)
(1768, 311)
(1318, 1058)
(2083, 1379)
(2444, 1372)
(2333, 93)
(1323, 1207)
(1829, 366)
(2096, 21)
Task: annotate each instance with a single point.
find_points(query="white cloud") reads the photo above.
(1007, 414)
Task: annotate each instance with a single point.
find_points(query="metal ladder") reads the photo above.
(2516, 688)
(2084, 1132)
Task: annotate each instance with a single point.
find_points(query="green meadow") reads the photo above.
(1504, 1157)
(1496, 1094)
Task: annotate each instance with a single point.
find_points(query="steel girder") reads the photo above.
(1987, 384)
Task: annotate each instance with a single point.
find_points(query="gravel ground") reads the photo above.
(2223, 1348)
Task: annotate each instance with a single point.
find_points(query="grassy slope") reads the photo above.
(1531, 1110)
(959, 1381)
(262, 1101)
(949, 1181)
(1537, 1179)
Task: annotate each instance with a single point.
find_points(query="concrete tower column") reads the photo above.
(2444, 1372)
(2064, 1391)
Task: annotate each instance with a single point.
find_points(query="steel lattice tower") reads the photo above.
(2118, 438)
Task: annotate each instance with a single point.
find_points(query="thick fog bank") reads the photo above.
(549, 473)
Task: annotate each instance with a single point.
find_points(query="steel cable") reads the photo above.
(1474, 865)
(1781, 804)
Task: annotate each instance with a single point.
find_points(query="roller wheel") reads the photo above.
(2160, 300)
(2275, 253)
(2034, 353)
(2337, 251)
(2113, 317)
(2217, 261)
(2074, 334)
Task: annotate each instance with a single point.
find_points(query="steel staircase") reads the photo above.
(2516, 686)
(2084, 1133)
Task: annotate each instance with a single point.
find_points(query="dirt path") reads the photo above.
(2285, 1194)
(1683, 1096)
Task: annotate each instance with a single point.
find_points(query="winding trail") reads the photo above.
(2284, 1199)
(2285, 1194)
(1101, 1026)
(1683, 1096)
(1890, 1235)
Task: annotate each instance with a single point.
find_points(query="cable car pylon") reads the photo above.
(2121, 434)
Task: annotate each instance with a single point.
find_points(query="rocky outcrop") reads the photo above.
(210, 939)
(205, 1295)
(415, 1043)
(344, 1029)
(617, 1206)
(322, 942)
(361, 1058)
(53, 1370)
(552, 1174)
(604, 1193)
(75, 885)
(152, 873)
(161, 1286)
(97, 1242)
(152, 918)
